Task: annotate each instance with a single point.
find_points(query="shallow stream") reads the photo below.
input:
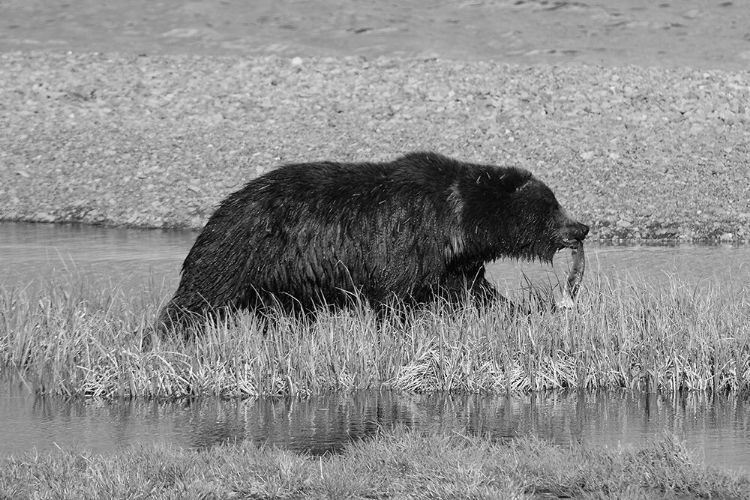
(138, 260)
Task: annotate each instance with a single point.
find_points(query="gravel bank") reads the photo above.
(158, 141)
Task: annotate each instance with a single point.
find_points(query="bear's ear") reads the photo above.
(511, 179)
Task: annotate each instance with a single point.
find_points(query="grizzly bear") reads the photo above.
(313, 235)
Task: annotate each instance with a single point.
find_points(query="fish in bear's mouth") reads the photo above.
(575, 276)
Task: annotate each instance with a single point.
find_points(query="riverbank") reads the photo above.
(393, 465)
(159, 140)
(73, 338)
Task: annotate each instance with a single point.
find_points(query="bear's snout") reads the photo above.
(580, 231)
(573, 232)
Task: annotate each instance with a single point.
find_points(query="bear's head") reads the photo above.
(507, 212)
(545, 227)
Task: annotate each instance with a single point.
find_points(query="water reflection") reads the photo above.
(719, 429)
(136, 259)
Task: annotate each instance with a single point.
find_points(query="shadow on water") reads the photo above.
(136, 259)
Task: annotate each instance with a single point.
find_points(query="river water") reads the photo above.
(717, 429)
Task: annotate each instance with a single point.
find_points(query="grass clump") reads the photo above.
(397, 464)
(75, 338)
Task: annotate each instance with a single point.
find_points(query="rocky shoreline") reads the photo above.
(157, 141)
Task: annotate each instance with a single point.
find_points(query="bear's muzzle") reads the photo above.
(573, 233)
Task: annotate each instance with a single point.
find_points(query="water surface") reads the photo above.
(719, 430)
(716, 431)
(133, 257)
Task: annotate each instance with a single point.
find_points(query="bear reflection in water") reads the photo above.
(419, 228)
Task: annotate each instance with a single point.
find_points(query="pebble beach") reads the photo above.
(157, 140)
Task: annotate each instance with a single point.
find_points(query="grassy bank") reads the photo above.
(78, 338)
(394, 465)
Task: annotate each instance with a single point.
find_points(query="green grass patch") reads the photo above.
(397, 464)
(76, 338)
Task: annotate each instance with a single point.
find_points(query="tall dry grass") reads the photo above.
(77, 338)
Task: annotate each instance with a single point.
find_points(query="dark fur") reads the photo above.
(421, 226)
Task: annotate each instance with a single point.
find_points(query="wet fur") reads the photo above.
(417, 228)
